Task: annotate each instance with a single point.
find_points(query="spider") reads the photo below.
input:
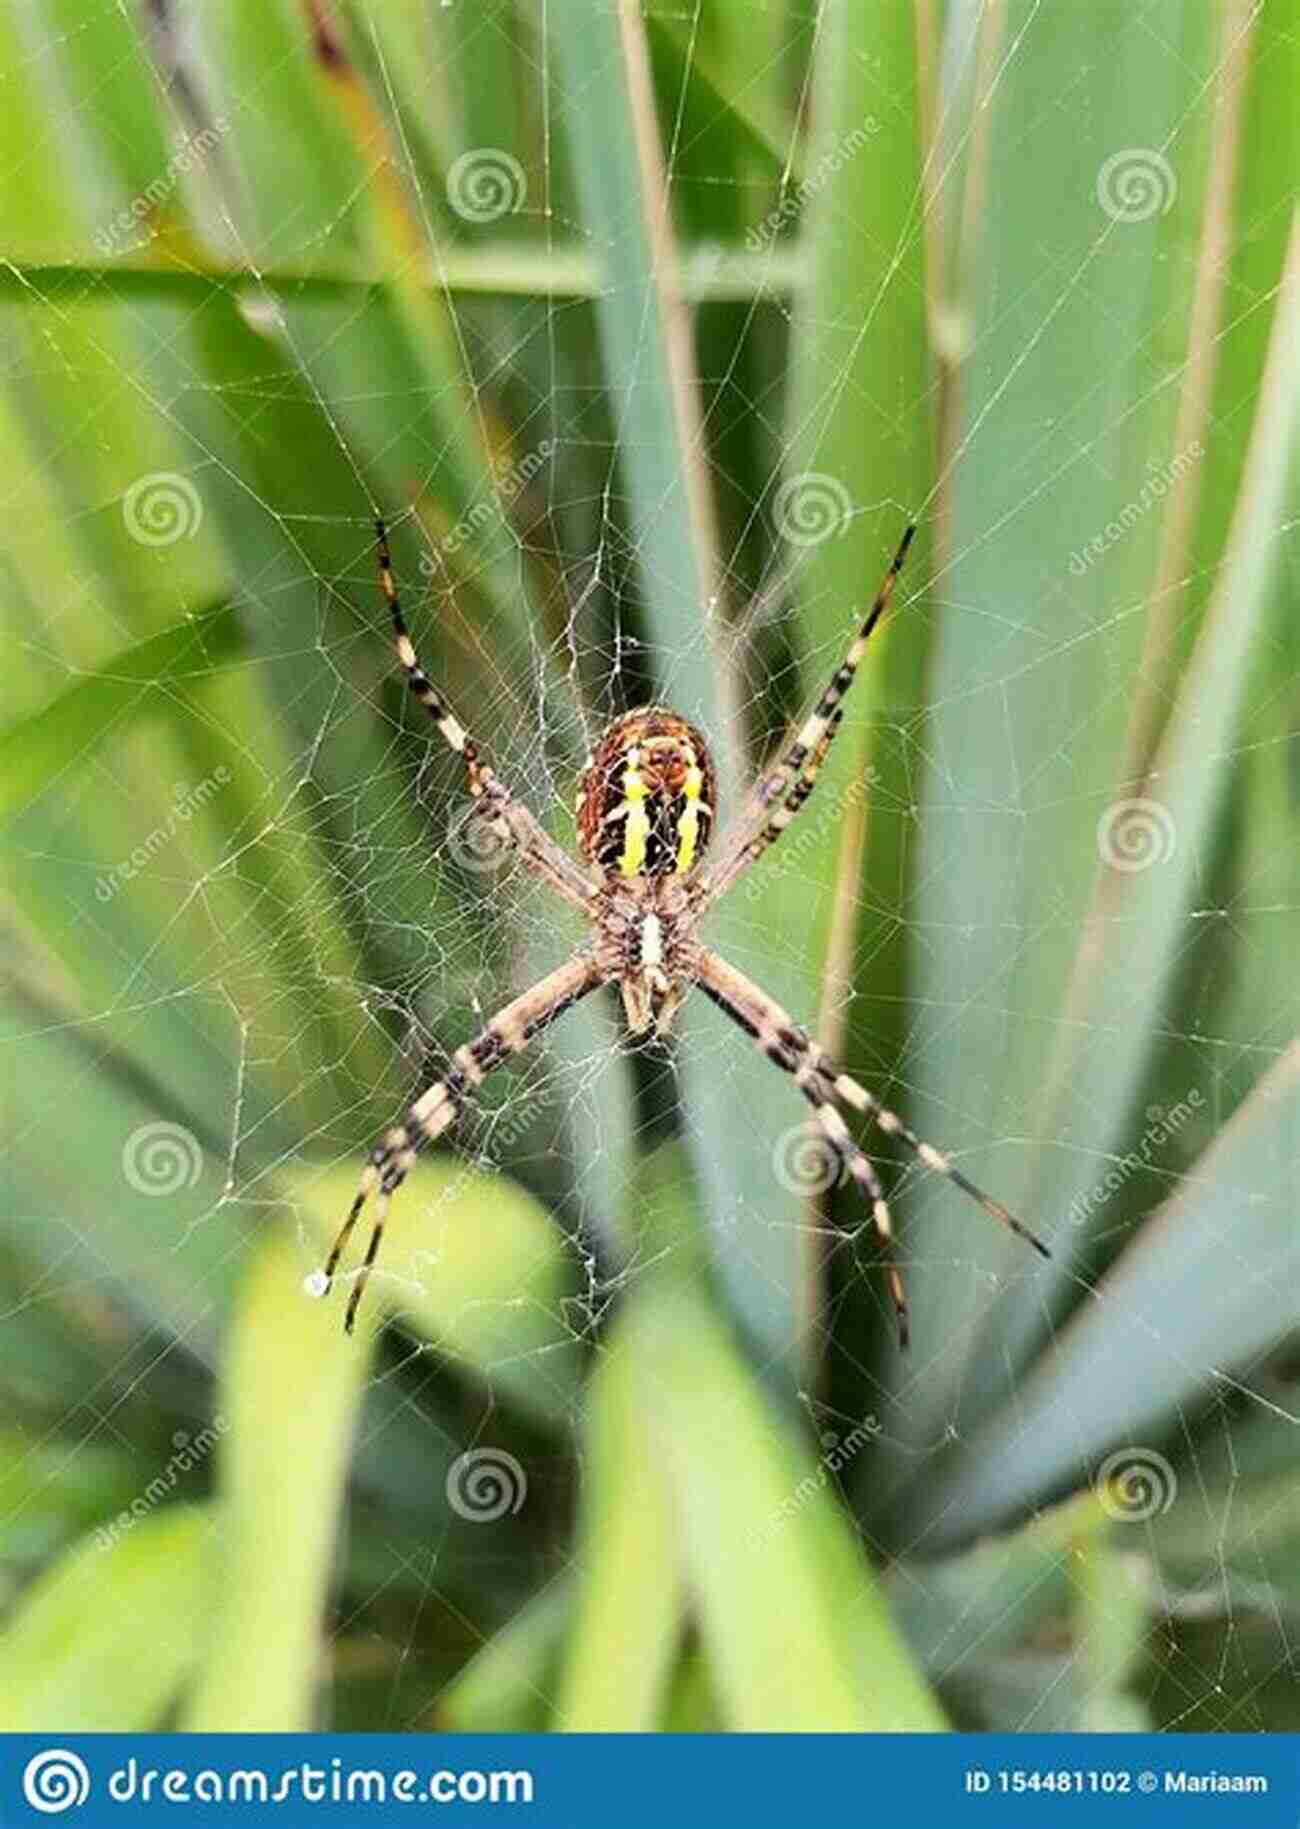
(645, 818)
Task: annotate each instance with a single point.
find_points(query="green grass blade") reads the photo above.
(797, 1634)
(142, 682)
(858, 463)
(1208, 1287)
(510, 1687)
(628, 1620)
(289, 1394)
(1057, 411)
(471, 1261)
(104, 1640)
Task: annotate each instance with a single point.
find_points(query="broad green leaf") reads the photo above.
(511, 1685)
(104, 1640)
(797, 1634)
(1207, 1287)
(470, 1260)
(287, 1400)
(1071, 325)
(1142, 922)
(628, 1618)
(858, 465)
(1138, 930)
(136, 685)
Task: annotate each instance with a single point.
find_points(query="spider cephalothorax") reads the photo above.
(645, 817)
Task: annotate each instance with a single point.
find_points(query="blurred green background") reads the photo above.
(648, 327)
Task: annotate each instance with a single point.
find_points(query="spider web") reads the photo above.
(537, 604)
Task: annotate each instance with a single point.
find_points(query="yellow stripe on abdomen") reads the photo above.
(688, 826)
(636, 827)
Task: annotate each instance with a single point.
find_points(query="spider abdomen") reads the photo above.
(646, 800)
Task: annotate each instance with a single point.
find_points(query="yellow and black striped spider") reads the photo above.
(645, 817)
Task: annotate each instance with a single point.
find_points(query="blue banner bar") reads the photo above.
(629, 1780)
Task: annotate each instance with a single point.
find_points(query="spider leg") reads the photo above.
(863, 1171)
(820, 1081)
(847, 1088)
(507, 1034)
(797, 798)
(507, 816)
(790, 1049)
(812, 740)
